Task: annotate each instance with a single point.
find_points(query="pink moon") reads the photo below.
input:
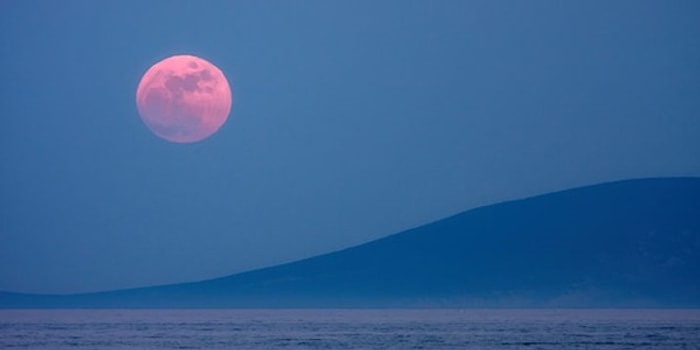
(184, 99)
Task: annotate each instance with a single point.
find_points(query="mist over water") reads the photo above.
(350, 329)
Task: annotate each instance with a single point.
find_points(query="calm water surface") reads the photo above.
(349, 329)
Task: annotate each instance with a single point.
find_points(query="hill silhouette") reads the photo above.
(633, 243)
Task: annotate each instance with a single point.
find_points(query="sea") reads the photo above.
(349, 329)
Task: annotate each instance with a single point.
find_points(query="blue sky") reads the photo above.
(351, 120)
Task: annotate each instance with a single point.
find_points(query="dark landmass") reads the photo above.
(632, 243)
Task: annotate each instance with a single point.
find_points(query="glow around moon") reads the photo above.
(184, 98)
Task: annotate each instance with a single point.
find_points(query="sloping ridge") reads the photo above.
(633, 243)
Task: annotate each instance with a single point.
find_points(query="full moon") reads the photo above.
(183, 99)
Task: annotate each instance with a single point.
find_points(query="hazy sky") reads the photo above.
(351, 120)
